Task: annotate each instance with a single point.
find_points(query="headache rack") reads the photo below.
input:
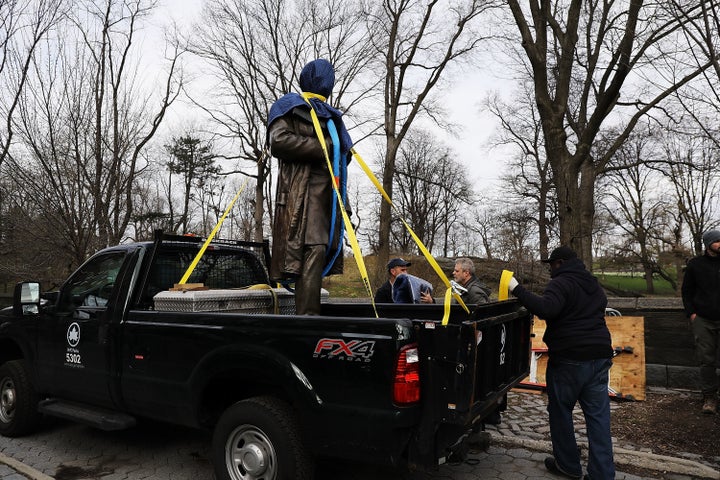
(225, 264)
(261, 249)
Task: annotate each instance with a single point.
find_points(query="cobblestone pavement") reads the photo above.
(67, 451)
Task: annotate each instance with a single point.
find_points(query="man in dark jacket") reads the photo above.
(580, 356)
(701, 299)
(472, 290)
(308, 228)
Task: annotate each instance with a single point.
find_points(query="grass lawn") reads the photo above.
(349, 284)
(637, 284)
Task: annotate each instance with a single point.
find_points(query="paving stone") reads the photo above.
(170, 453)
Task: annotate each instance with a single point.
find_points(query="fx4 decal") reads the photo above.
(352, 351)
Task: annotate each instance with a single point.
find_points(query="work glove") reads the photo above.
(512, 284)
(457, 288)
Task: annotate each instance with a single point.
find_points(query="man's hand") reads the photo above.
(425, 297)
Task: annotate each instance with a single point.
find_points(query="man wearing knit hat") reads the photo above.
(701, 299)
(579, 360)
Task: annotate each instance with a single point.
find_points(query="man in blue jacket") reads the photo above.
(701, 299)
(580, 356)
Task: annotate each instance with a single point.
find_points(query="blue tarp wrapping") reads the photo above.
(407, 288)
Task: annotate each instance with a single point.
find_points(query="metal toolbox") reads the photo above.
(276, 300)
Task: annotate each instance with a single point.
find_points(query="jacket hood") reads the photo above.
(576, 268)
(318, 77)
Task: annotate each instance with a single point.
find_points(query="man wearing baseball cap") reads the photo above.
(395, 267)
(701, 300)
(579, 359)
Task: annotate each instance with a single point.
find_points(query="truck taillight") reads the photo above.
(406, 388)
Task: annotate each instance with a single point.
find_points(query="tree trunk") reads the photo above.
(649, 284)
(259, 213)
(576, 201)
(383, 253)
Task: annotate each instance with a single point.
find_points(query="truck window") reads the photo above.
(93, 283)
(217, 269)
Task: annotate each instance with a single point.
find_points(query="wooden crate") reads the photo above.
(627, 376)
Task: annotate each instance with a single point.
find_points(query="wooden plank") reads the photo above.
(187, 287)
(627, 376)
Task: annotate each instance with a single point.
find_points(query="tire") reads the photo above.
(259, 439)
(18, 400)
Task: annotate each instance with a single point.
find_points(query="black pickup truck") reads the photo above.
(276, 389)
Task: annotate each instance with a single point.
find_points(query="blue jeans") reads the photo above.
(569, 382)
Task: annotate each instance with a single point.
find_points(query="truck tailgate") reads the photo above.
(466, 370)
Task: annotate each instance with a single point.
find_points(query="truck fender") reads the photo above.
(14, 348)
(253, 368)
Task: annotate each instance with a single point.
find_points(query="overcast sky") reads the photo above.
(464, 100)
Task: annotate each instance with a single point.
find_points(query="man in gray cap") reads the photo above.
(701, 299)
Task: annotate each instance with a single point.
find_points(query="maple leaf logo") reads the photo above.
(73, 334)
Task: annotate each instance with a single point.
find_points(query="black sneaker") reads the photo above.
(552, 467)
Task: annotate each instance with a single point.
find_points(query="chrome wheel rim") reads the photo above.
(7, 400)
(250, 455)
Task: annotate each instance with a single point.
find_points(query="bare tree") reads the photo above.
(84, 123)
(702, 30)
(418, 42)
(581, 54)
(528, 176)
(432, 189)
(21, 259)
(255, 50)
(514, 234)
(23, 27)
(638, 207)
(692, 172)
(240, 224)
(151, 206)
(482, 222)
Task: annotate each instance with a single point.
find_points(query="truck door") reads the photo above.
(75, 339)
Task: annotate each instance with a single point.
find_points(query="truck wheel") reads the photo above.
(259, 439)
(18, 400)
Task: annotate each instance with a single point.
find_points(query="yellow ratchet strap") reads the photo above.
(199, 255)
(504, 284)
(273, 294)
(420, 244)
(357, 253)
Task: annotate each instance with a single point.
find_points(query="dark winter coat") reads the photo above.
(476, 292)
(384, 293)
(573, 307)
(701, 287)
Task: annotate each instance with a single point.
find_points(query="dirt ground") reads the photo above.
(668, 423)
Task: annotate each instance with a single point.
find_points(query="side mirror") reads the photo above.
(26, 298)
